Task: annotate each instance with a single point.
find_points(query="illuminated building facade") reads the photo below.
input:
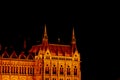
(44, 62)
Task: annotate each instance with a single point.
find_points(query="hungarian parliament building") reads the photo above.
(44, 61)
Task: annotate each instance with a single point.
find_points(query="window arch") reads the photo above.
(22, 55)
(75, 70)
(13, 55)
(68, 70)
(47, 69)
(5, 55)
(61, 70)
(54, 69)
(30, 57)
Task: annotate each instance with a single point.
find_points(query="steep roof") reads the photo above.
(55, 49)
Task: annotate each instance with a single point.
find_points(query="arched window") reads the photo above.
(68, 70)
(75, 70)
(61, 70)
(54, 69)
(47, 69)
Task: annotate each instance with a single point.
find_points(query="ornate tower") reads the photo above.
(57, 61)
(40, 58)
(76, 56)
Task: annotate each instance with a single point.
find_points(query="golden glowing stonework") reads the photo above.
(44, 62)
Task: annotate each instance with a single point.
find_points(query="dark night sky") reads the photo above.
(90, 31)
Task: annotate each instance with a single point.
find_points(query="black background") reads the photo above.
(94, 30)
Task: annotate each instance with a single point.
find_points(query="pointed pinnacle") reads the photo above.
(73, 34)
(45, 32)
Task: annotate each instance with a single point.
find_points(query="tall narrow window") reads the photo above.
(25, 70)
(8, 69)
(28, 70)
(2, 69)
(47, 70)
(75, 71)
(54, 69)
(12, 69)
(17, 70)
(20, 70)
(61, 70)
(5, 69)
(68, 70)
